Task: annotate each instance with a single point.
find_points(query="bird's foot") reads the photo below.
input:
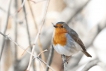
(65, 61)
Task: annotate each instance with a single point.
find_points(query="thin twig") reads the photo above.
(6, 37)
(33, 17)
(37, 1)
(43, 68)
(42, 52)
(40, 45)
(43, 21)
(41, 49)
(46, 64)
(50, 57)
(26, 49)
(27, 28)
(38, 63)
(21, 5)
(15, 31)
(90, 64)
(28, 33)
(64, 62)
(6, 24)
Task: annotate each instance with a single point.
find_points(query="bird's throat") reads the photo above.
(60, 38)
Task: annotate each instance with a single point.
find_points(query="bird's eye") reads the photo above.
(61, 26)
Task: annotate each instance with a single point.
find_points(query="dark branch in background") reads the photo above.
(88, 42)
(71, 12)
(5, 28)
(27, 28)
(49, 60)
(15, 32)
(78, 11)
(36, 27)
(28, 33)
(90, 65)
(33, 17)
(20, 65)
(37, 36)
(4, 11)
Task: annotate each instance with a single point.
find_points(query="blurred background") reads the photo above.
(20, 20)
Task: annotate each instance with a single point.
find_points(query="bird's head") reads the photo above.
(61, 27)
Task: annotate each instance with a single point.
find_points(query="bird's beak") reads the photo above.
(54, 25)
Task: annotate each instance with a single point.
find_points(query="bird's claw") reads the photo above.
(65, 61)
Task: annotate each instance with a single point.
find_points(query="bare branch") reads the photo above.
(37, 1)
(78, 11)
(50, 57)
(42, 52)
(27, 28)
(28, 33)
(6, 36)
(90, 64)
(5, 28)
(46, 64)
(15, 30)
(23, 3)
(33, 17)
(43, 21)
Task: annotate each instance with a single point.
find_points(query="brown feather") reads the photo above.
(60, 39)
(60, 35)
(87, 54)
(74, 35)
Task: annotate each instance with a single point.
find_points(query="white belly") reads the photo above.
(69, 49)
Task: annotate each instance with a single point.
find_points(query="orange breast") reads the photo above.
(60, 37)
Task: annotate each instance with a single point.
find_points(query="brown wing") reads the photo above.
(74, 35)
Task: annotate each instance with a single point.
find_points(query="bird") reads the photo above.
(66, 41)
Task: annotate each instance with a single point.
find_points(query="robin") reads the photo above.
(66, 41)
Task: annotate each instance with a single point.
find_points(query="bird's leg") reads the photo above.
(68, 58)
(64, 62)
(64, 59)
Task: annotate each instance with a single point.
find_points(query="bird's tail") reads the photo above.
(87, 54)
